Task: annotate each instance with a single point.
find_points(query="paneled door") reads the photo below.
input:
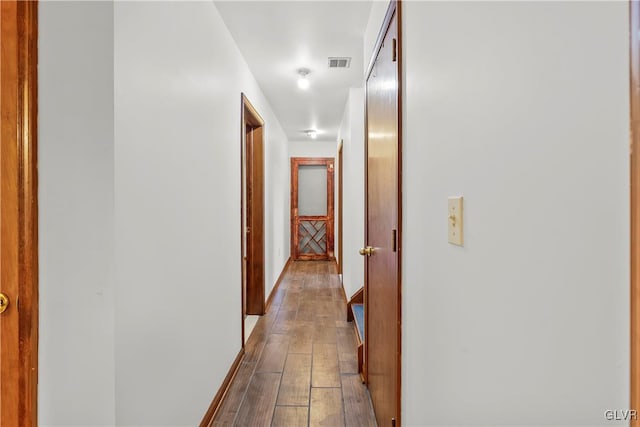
(382, 230)
(312, 208)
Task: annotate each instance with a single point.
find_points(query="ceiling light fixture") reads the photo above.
(311, 133)
(303, 81)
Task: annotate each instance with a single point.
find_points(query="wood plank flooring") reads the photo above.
(300, 364)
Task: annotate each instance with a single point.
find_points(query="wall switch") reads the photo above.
(456, 235)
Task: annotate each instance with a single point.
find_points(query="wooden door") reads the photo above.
(253, 299)
(18, 214)
(635, 210)
(383, 196)
(312, 208)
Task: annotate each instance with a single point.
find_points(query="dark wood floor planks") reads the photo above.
(300, 365)
(325, 370)
(326, 407)
(357, 405)
(291, 416)
(296, 381)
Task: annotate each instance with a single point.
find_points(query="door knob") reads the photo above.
(4, 302)
(368, 251)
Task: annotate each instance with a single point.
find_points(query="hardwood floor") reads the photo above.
(300, 366)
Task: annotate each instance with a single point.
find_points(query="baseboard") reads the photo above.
(344, 293)
(275, 287)
(210, 415)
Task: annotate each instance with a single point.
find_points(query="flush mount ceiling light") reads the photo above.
(303, 81)
(313, 134)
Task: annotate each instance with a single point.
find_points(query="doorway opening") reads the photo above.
(252, 214)
(312, 207)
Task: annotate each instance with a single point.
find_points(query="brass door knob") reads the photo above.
(368, 251)
(4, 303)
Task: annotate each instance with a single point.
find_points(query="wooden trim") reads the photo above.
(394, 8)
(391, 10)
(19, 212)
(210, 415)
(243, 265)
(344, 294)
(356, 298)
(400, 57)
(634, 98)
(340, 210)
(253, 118)
(277, 284)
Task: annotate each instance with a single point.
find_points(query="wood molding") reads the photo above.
(634, 98)
(340, 165)
(391, 10)
(344, 294)
(19, 212)
(210, 415)
(277, 284)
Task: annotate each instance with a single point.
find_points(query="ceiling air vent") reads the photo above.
(341, 62)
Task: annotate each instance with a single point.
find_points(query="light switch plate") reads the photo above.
(456, 233)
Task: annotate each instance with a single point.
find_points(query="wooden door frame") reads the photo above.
(19, 212)
(250, 118)
(296, 162)
(634, 85)
(340, 206)
(394, 8)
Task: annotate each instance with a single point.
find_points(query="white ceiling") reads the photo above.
(279, 37)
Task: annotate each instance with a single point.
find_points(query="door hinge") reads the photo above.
(395, 50)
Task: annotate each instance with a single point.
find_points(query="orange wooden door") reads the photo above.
(312, 223)
(382, 291)
(18, 214)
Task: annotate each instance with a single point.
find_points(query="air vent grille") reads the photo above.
(339, 62)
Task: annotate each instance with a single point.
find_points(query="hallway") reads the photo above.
(134, 258)
(300, 364)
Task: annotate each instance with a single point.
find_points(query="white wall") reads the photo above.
(352, 134)
(525, 114)
(376, 16)
(178, 79)
(166, 221)
(76, 207)
(312, 149)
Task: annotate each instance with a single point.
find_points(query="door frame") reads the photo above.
(634, 98)
(251, 210)
(19, 212)
(394, 8)
(340, 203)
(296, 162)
